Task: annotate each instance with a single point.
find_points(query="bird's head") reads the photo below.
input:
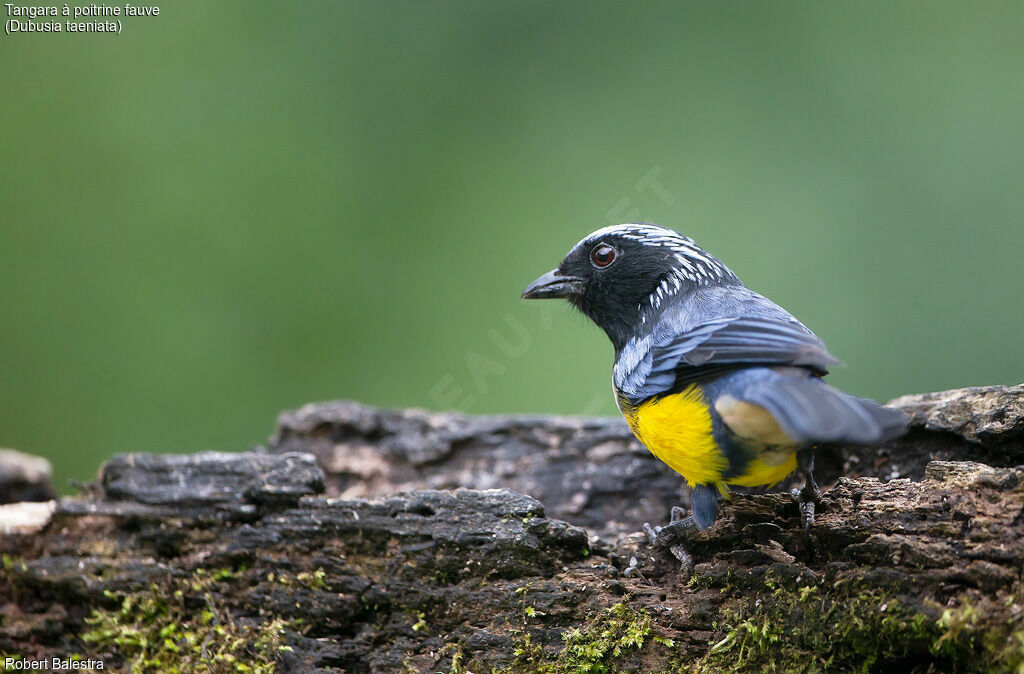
(624, 276)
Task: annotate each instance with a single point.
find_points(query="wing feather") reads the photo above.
(671, 362)
(809, 410)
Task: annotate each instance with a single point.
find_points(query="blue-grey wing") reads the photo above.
(670, 361)
(810, 411)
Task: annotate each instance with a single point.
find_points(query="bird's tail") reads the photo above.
(809, 410)
(892, 423)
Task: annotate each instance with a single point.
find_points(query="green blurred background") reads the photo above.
(238, 207)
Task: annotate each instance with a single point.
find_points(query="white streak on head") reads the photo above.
(691, 262)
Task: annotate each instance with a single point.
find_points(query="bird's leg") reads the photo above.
(810, 496)
(671, 535)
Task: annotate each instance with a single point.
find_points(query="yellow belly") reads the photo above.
(760, 472)
(677, 429)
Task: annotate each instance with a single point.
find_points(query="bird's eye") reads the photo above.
(602, 255)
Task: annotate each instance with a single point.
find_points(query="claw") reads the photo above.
(807, 515)
(806, 503)
(685, 560)
(652, 533)
(674, 531)
(806, 506)
(671, 536)
(809, 497)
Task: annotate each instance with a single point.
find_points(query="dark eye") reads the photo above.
(602, 255)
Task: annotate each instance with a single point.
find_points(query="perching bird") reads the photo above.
(714, 379)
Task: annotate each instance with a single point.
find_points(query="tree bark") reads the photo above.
(365, 540)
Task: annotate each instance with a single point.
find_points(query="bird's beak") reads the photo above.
(551, 285)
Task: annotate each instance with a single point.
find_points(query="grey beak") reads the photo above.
(551, 285)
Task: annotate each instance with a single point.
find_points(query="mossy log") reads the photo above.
(364, 540)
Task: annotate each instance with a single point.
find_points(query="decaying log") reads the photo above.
(24, 477)
(367, 540)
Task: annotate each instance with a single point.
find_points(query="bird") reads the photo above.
(716, 380)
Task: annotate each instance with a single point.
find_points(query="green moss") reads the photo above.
(596, 648)
(809, 629)
(529, 612)
(593, 648)
(457, 666)
(11, 563)
(801, 630)
(528, 655)
(4, 655)
(313, 580)
(161, 631)
(667, 643)
(988, 633)
(222, 574)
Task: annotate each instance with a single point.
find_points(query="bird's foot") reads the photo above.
(809, 497)
(672, 535)
(807, 500)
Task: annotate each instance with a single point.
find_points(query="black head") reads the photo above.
(622, 277)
